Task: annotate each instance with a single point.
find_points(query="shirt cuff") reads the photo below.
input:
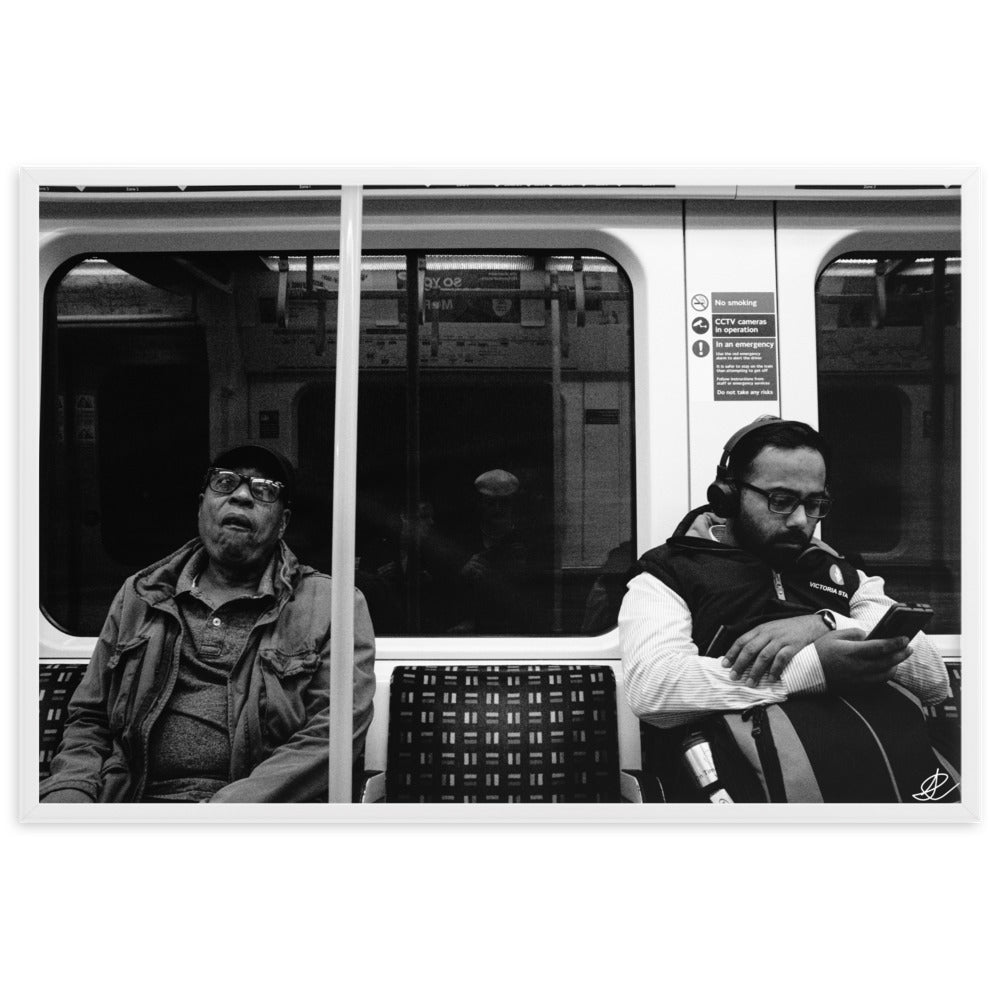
(845, 621)
(804, 675)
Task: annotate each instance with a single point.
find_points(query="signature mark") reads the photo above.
(934, 788)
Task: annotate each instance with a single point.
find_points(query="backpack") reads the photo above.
(870, 745)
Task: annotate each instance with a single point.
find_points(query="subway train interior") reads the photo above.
(596, 346)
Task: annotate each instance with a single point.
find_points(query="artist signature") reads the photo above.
(934, 788)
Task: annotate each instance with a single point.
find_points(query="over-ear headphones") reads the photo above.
(723, 494)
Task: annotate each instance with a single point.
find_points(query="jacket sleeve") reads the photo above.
(668, 683)
(86, 742)
(298, 771)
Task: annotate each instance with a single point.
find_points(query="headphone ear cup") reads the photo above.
(723, 498)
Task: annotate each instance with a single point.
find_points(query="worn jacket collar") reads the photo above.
(157, 583)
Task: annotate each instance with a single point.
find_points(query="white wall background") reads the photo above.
(490, 911)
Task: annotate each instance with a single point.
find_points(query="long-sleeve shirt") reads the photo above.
(667, 683)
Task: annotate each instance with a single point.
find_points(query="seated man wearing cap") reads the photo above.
(210, 680)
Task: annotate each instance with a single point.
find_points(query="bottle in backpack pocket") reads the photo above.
(700, 764)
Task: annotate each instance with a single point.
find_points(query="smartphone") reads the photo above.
(902, 619)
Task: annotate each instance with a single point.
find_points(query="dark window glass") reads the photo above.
(495, 484)
(888, 338)
(152, 364)
(470, 363)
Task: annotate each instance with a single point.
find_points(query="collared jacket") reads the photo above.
(279, 690)
(723, 584)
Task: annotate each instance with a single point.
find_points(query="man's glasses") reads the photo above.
(782, 502)
(225, 482)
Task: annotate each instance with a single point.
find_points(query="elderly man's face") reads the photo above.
(238, 531)
(779, 538)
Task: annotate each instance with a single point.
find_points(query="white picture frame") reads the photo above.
(34, 179)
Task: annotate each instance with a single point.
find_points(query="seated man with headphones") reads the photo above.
(796, 705)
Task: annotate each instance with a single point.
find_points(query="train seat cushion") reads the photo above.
(492, 733)
(56, 684)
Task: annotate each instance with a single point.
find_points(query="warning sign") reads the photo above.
(745, 369)
(743, 302)
(744, 342)
(743, 326)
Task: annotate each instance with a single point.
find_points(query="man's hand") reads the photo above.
(765, 651)
(850, 660)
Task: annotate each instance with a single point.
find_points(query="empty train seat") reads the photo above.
(504, 733)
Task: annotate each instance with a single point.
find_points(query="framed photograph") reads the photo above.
(529, 495)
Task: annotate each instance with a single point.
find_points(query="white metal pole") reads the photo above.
(345, 437)
(558, 456)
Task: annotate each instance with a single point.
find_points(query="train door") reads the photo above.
(845, 314)
(869, 314)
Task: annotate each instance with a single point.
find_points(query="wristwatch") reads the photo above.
(828, 619)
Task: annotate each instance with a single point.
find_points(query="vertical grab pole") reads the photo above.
(345, 474)
(559, 319)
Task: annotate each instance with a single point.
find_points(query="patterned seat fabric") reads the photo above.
(950, 708)
(525, 733)
(944, 720)
(56, 684)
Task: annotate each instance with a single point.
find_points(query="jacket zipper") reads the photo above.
(130, 695)
(770, 765)
(153, 713)
(779, 587)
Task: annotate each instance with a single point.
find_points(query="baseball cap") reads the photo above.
(269, 462)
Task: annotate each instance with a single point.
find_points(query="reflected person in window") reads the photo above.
(210, 680)
(494, 582)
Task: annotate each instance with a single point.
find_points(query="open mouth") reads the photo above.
(237, 521)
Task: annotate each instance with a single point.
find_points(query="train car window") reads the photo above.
(495, 416)
(495, 484)
(152, 362)
(888, 342)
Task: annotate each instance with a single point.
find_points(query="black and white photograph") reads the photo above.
(502, 492)
(499, 500)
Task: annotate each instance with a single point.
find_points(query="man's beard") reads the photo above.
(773, 552)
(783, 556)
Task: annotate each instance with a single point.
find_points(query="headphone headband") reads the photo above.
(727, 450)
(723, 494)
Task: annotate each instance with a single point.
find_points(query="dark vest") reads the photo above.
(725, 585)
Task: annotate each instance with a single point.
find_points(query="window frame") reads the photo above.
(391, 225)
(808, 238)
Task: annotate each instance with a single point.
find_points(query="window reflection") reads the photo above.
(514, 365)
(888, 340)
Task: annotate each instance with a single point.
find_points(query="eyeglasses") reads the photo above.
(782, 502)
(225, 481)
